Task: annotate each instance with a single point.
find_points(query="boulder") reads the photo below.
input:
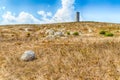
(28, 56)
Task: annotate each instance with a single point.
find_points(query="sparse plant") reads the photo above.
(102, 32)
(68, 33)
(109, 34)
(76, 33)
(106, 33)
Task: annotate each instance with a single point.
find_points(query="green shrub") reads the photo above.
(76, 33)
(109, 34)
(68, 33)
(102, 32)
(106, 33)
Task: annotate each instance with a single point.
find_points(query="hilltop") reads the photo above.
(81, 53)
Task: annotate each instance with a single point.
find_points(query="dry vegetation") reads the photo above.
(89, 56)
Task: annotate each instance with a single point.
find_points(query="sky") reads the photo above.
(54, 11)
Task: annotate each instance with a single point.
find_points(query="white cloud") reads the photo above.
(49, 14)
(64, 14)
(45, 16)
(42, 13)
(22, 18)
(8, 18)
(26, 18)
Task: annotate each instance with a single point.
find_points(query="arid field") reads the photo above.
(85, 55)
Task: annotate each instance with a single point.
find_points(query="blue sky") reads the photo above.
(51, 11)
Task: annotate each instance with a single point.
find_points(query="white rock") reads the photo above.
(71, 32)
(59, 33)
(80, 33)
(29, 29)
(26, 29)
(50, 37)
(90, 31)
(28, 56)
(50, 32)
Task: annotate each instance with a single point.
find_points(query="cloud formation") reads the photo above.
(45, 16)
(22, 18)
(64, 14)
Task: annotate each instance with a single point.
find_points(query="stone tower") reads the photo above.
(77, 16)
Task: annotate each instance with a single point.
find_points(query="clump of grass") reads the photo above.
(109, 34)
(102, 32)
(106, 33)
(68, 33)
(76, 33)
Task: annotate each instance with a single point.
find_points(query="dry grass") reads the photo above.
(86, 57)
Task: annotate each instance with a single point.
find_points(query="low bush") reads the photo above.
(76, 33)
(68, 33)
(106, 33)
(102, 32)
(109, 34)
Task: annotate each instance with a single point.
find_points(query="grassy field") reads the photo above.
(87, 56)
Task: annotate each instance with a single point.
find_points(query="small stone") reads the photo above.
(50, 32)
(90, 31)
(50, 37)
(29, 29)
(59, 33)
(28, 56)
(26, 29)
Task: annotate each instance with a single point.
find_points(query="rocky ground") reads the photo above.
(64, 51)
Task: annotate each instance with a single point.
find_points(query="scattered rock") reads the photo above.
(80, 33)
(50, 32)
(50, 37)
(29, 29)
(71, 32)
(59, 34)
(26, 29)
(90, 31)
(28, 56)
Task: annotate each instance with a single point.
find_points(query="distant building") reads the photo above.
(77, 16)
